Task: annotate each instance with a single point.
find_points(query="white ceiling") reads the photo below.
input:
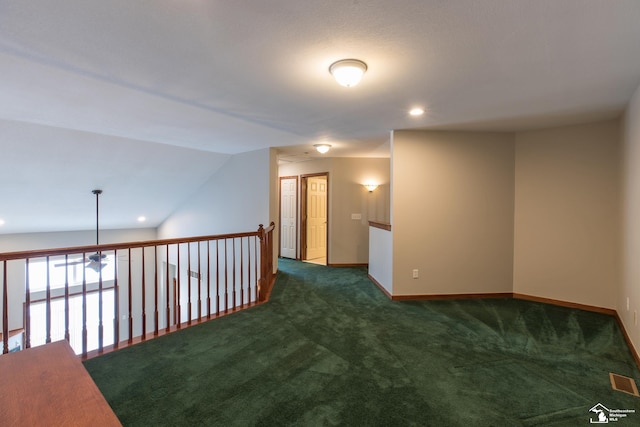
(147, 99)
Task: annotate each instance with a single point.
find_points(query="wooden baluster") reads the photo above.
(226, 278)
(168, 308)
(255, 266)
(155, 295)
(144, 299)
(233, 247)
(208, 279)
(5, 309)
(48, 305)
(199, 286)
(100, 313)
(130, 296)
(249, 270)
(84, 308)
(217, 277)
(175, 298)
(189, 283)
(179, 309)
(116, 302)
(241, 273)
(67, 336)
(27, 308)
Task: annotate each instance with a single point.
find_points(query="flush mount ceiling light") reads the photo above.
(348, 72)
(416, 111)
(322, 148)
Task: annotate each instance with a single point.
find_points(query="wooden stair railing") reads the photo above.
(129, 292)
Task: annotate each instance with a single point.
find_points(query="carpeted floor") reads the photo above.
(330, 349)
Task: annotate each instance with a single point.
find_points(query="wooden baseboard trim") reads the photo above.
(379, 285)
(450, 296)
(269, 288)
(634, 353)
(585, 307)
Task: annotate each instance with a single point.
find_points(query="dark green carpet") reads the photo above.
(331, 349)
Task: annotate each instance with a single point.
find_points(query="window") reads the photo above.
(76, 272)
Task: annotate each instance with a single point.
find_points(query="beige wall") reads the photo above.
(630, 283)
(348, 238)
(567, 214)
(452, 208)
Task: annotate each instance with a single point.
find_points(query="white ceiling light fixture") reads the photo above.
(142, 218)
(2, 222)
(322, 148)
(348, 72)
(416, 111)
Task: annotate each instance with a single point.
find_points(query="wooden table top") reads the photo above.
(49, 386)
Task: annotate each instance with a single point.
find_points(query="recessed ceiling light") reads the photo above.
(2, 222)
(348, 72)
(416, 111)
(142, 219)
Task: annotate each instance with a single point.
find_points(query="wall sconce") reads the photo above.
(370, 187)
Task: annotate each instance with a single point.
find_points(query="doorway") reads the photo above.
(288, 216)
(314, 218)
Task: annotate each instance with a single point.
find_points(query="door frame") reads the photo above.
(303, 214)
(297, 216)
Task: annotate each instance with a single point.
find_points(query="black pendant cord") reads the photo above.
(97, 193)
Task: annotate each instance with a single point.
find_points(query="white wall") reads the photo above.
(381, 257)
(235, 199)
(65, 239)
(452, 209)
(630, 284)
(567, 214)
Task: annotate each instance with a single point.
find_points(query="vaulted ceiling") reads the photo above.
(147, 99)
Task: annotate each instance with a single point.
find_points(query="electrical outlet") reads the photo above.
(415, 273)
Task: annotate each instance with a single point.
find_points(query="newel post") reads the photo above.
(266, 259)
(261, 279)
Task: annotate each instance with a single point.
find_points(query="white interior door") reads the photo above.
(288, 203)
(316, 217)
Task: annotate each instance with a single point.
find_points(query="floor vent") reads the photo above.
(624, 384)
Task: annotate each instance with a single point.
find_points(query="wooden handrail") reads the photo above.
(380, 225)
(39, 253)
(243, 274)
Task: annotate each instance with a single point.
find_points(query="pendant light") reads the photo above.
(95, 260)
